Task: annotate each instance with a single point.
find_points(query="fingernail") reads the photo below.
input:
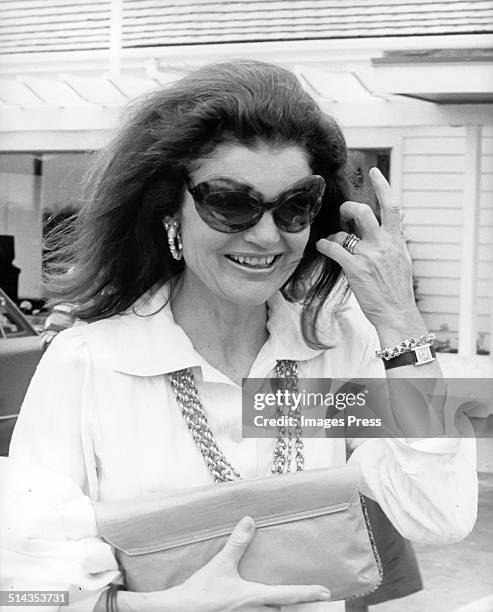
(374, 170)
(325, 595)
(247, 524)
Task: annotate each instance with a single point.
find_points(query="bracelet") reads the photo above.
(111, 599)
(404, 347)
(417, 356)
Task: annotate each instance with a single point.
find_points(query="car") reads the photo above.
(21, 347)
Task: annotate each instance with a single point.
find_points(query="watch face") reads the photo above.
(423, 354)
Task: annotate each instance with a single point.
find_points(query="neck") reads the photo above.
(214, 325)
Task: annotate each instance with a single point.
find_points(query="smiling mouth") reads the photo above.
(254, 263)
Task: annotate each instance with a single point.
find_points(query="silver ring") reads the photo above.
(350, 242)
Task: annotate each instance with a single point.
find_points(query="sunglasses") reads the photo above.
(230, 205)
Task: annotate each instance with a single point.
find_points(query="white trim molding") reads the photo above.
(470, 241)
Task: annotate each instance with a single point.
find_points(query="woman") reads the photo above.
(205, 231)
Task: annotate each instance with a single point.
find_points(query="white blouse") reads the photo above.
(100, 421)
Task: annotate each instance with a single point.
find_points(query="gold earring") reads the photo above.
(174, 239)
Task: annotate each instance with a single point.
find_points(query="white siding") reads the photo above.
(432, 199)
(432, 168)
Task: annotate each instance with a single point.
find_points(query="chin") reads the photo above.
(250, 295)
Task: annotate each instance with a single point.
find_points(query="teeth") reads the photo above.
(253, 261)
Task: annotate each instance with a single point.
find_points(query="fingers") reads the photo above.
(292, 594)
(332, 247)
(340, 238)
(391, 212)
(238, 541)
(364, 219)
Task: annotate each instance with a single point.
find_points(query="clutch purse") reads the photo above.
(312, 528)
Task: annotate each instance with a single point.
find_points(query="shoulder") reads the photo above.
(75, 356)
(67, 346)
(127, 333)
(83, 343)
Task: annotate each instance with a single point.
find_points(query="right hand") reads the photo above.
(218, 587)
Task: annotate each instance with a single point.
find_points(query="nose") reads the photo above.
(265, 233)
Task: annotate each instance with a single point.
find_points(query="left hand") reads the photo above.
(379, 270)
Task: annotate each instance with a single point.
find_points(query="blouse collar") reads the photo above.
(148, 341)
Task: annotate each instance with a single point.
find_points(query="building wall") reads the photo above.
(26, 198)
(427, 173)
(433, 164)
(20, 216)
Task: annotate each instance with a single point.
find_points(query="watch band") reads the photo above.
(416, 356)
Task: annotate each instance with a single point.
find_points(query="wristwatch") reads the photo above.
(419, 355)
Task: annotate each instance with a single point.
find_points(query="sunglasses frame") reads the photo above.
(259, 204)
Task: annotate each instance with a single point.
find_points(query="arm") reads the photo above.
(427, 486)
(56, 544)
(49, 540)
(379, 271)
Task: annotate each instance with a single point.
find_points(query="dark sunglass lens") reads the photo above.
(298, 210)
(227, 211)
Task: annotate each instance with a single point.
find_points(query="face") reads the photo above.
(212, 258)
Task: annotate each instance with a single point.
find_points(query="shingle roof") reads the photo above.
(66, 25)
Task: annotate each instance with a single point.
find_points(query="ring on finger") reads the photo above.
(350, 242)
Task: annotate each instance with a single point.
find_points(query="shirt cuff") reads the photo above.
(439, 446)
(87, 604)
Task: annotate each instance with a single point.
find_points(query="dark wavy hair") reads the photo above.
(117, 248)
